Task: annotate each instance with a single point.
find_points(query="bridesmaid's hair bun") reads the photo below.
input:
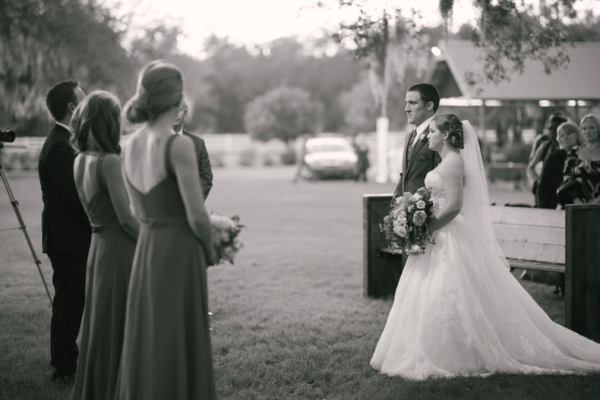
(159, 89)
(451, 125)
(137, 110)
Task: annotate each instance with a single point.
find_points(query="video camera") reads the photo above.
(7, 136)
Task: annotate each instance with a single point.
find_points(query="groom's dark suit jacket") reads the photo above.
(416, 164)
(206, 175)
(65, 225)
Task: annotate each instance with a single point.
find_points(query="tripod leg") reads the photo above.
(15, 205)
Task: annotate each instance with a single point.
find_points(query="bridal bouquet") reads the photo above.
(404, 227)
(224, 233)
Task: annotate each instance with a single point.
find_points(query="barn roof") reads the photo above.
(579, 81)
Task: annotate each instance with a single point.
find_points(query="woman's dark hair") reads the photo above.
(159, 88)
(60, 96)
(97, 120)
(427, 93)
(450, 124)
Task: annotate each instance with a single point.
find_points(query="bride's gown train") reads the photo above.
(459, 311)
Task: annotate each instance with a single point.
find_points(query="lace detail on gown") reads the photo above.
(459, 311)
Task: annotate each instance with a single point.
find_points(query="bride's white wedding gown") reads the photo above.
(459, 311)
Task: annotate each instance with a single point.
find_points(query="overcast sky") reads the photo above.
(258, 21)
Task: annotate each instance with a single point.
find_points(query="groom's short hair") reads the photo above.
(59, 97)
(427, 93)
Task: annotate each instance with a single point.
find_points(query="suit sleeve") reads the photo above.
(398, 190)
(206, 175)
(59, 163)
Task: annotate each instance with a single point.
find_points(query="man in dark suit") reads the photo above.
(66, 231)
(206, 175)
(422, 102)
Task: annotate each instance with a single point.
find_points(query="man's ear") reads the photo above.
(429, 106)
(71, 108)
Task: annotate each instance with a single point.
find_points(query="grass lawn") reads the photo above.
(289, 318)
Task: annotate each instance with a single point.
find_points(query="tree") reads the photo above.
(388, 42)
(234, 75)
(44, 42)
(509, 33)
(284, 113)
(359, 106)
(156, 41)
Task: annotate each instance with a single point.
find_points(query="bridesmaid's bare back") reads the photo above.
(85, 171)
(144, 158)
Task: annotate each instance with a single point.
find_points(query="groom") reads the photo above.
(206, 176)
(422, 101)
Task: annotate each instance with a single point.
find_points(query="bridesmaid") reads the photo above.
(166, 349)
(95, 135)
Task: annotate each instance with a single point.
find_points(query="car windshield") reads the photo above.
(332, 147)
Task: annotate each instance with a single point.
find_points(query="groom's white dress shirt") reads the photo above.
(67, 127)
(420, 129)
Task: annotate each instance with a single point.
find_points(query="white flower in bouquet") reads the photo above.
(400, 230)
(415, 197)
(224, 233)
(415, 249)
(421, 204)
(229, 253)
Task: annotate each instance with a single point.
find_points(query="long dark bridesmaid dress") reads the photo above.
(108, 269)
(166, 350)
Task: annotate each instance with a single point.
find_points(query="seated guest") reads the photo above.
(543, 146)
(95, 135)
(552, 172)
(581, 184)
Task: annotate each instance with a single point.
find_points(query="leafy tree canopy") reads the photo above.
(283, 113)
(508, 31)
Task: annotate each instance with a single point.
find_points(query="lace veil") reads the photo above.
(476, 199)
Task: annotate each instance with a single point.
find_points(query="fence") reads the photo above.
(224, 150)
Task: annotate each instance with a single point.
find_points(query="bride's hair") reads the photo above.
(452, 125)
(159, 88)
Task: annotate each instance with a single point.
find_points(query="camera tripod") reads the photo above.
(22, 226)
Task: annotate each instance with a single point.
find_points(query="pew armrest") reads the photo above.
(540, 266)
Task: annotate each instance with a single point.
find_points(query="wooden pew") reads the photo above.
(582, 294)
(531, 238)
(381, 268)
(548, 240)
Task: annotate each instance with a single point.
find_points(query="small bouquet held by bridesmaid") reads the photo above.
(404, 227)
(224, 232)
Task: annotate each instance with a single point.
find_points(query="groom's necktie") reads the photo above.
(413, 143)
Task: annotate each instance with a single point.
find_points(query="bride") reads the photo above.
(457, 309)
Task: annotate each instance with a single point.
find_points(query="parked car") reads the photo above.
(330, 157)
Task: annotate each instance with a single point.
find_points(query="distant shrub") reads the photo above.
(216, 160)
(288, 157)
(268, 160)
(29, 161)
(247, 157)
(516, 152)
